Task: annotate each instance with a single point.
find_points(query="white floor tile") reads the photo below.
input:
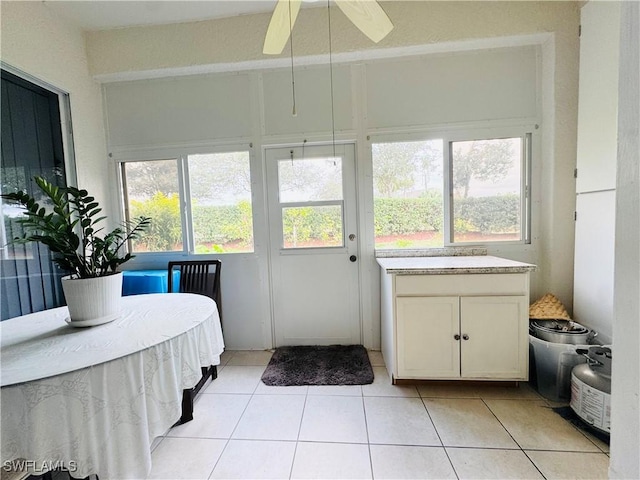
(467, 422)
(331, 461)
(214, 416)
(571, 465)
(226, 356)
(333, 419)
(473, 463)
(400, 462)
(185, 458)
(253, 459)
(535, 426)
(346, 431)
(271, 417)
(522, 392)
(382, 387)
(448, 390)
(251, 357)
(343, 390)
(376, 358)
(399, 421)
(236, 379)
(269, 390)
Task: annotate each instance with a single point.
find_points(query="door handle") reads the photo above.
(353, 258)
(465, 337)
(456, 337)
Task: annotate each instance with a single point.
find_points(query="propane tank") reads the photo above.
(591, 388)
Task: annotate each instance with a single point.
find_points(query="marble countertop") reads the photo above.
(452, 265)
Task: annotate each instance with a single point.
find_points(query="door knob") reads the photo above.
(353, 258)
(456, 337)
(465, 337)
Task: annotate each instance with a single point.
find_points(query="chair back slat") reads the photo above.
(198, 276)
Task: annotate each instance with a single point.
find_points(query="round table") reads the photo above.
(95, 398)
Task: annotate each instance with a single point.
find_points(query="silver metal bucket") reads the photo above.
(561, 331)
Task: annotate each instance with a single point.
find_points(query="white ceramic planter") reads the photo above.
(93, 301)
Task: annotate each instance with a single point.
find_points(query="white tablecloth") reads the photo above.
(97, 397)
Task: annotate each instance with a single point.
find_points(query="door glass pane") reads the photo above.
(312, 227)
(487, 190)
(32, 145)
(407, 194)
(152, 191)
(221, 202)
(310, 179)
(14, 179)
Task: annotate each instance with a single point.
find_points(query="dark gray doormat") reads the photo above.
(319, 365)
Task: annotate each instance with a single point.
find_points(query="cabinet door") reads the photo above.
(426, 347)
(498, 343)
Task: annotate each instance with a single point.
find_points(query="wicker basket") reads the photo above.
(548, 307)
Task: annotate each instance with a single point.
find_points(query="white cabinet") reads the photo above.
(426, 327)
(495, 341)
(456, 326)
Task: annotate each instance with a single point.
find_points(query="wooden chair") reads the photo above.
(201, 277)
(198, 276)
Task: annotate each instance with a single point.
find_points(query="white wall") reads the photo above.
(452, 89)
(234, 45)
(625, 391)
(39, 43)
(164, 117)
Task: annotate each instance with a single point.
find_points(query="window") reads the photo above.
(487, 190)
(220, 186)
(310, 193)
(441, 192)
(407, 188)
(218, 214)
(153, 191)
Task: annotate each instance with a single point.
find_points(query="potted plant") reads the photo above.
(71, 231)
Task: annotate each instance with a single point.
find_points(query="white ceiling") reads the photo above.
(104, 14)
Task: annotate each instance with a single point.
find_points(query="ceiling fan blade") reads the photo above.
(280, 26)
(368, 16)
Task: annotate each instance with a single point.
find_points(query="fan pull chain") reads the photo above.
(333, 122)
(293, 81)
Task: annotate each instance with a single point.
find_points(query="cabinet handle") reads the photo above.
(465, 337)
(456, 337)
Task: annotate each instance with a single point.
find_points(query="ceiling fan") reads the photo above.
(367, 15)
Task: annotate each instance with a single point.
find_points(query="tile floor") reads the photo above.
(243, 429)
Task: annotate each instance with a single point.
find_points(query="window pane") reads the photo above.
(487, 190)
(14, 179)
(407, 191)
(221, 202)
(312, 227)
(311, 179)
(152, 191)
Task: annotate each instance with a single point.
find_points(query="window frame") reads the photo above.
(180, 155)
(449, 135)
(282, 205)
